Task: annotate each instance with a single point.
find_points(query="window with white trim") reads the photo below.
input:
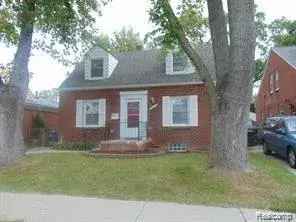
(91, 110)
(277, 85)
(180, 62)
(97, 68)
(180, 111)
(271, 85)
(90, 113)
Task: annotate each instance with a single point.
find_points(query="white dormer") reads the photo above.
(99, 64)
(178, 63)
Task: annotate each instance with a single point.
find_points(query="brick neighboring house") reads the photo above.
(137, 95)
(49, 112)
(277, 93)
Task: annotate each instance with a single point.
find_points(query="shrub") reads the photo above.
(78, 146)
(38, 122)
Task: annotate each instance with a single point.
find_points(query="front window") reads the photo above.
(180, 110)
(97, 68)
(91, 113)
(291, 125)
(180, 62)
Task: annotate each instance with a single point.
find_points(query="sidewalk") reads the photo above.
(45, 150)
(59, 208)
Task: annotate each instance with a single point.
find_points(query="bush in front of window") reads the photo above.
(75, 146)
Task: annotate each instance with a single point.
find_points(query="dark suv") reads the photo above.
(279, 135)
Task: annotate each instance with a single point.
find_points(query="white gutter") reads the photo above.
(130, 86)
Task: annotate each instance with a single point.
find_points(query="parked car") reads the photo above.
(253, 128)
(279, 136)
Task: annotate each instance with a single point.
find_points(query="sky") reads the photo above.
(48, 73)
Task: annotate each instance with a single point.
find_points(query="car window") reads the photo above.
(270, 123)
(291, 124)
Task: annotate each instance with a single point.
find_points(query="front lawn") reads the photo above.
(182, 178)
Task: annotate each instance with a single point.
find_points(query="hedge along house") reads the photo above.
(137, 96)
(277, 93)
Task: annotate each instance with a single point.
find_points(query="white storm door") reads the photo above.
(133, 115)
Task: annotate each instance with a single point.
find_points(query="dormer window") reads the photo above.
(180, 62)
(98, 64)
(97, 68)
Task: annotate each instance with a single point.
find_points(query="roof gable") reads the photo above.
(287, 53)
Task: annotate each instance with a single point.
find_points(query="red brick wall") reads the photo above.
(195, 137)
(280, 101)
(51, 120)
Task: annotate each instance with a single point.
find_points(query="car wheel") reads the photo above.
(292, 158)
(266, 150)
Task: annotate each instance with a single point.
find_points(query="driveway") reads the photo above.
(59, 208)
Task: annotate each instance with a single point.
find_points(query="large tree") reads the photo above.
(67, 24)
(230, 92)
(125, 40)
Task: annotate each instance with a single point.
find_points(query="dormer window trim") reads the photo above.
(109, 63)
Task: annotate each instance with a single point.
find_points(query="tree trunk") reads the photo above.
(11, 119)
(229, 130)
(12, 99)
(234, 88)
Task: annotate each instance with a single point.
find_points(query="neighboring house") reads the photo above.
(137, 95)
(277, 93)
(48, 111)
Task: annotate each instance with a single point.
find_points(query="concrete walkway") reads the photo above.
(45, 150)
(59, 208)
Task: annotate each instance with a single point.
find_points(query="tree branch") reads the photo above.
(196, 60)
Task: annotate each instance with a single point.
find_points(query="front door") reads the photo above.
(133, 115)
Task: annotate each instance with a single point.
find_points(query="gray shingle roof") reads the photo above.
(287, 53)
(140, 68)
(41, 104)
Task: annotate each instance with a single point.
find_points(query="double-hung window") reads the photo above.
(90, 113)
(180, 111)
(97, 68)
(180, 62)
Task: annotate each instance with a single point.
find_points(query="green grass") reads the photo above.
(182, 178)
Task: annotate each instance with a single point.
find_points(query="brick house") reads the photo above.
(277, 93)
(49, 112)
(137, 95)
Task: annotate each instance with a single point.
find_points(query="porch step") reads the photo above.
(123, 146)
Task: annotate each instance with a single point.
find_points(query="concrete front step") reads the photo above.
(123, 146)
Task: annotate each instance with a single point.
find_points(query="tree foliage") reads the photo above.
(283, 32)
(190, 14)
(5, 72)
(62, 27)
(125, 40)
